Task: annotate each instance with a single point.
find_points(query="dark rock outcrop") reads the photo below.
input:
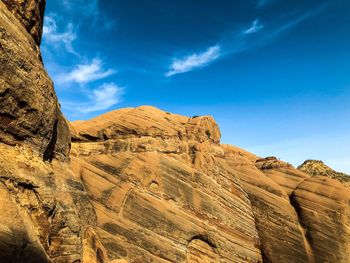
(31, 14)
(29, 112)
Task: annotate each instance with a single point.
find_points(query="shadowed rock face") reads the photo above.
(30, 13)
(29, 112)
(144, 185)
(45, 214)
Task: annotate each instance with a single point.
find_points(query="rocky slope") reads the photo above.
(318, 168)
(144, 185)
(46, 215)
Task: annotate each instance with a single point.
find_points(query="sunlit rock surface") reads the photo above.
(146, 173)
(145, 185)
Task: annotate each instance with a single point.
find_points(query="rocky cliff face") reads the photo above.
(46, 215)
(144, 185)
(29, 112)
(318, 168)
(30, 13)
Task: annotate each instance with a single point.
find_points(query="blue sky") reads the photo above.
(275, 74)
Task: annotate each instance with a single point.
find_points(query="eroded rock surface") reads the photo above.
(144, 185)
(46, 214)
(30, 13)
(145, 172)
(29, 112)
(318, 168)
(323, 208)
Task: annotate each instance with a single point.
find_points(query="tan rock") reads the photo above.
(153, 197)
(144, 185)
(280, 234)
(29, 112)
(323, 207)
(318, 168)
(30, 13)
(282, 173)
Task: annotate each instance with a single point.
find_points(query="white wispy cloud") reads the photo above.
(194, 61)
(254, 28)
(293, 23)
(90, 11)
(100, 99)
(85, 73)
(83, 7)
(240, 42)
(52, 36)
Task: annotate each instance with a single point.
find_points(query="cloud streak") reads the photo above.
(300, 19)
(194, 61)
(237, 43)
(85, 73)
(52, 36)
(86, 8)
(99, 99)
(254, 28)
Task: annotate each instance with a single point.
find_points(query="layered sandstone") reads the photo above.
(144, 185)
(46, 214)
(30, 13)
(154, 201)
(29, 112)
(318, 168)
(128, 151)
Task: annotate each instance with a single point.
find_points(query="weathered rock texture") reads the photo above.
(30, 13)
(144, 185)
(138, 164)
(156, 198)
(46, 215)
(29, 112)
(318, 168)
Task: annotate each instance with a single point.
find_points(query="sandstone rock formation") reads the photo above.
(46, 215)
(30, 13)
(143, 185)
(318, 168)
(29, 112)
(155, 201)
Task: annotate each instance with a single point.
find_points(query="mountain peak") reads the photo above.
(319, 168)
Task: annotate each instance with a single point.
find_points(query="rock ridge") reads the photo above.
(144, 185)
(30, 113)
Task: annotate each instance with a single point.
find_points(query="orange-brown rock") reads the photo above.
(131, 149)
(30, 13)
(154, 201)
(322, 204)
(29, 112)
(46, 214)
(318, 168)
(281, 236)
(144, 185)
(282, 173)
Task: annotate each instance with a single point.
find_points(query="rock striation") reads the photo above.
(46, 214)
(144, 185)
(29, 112)
(318, 168)
(156, 198)
(30, 13)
